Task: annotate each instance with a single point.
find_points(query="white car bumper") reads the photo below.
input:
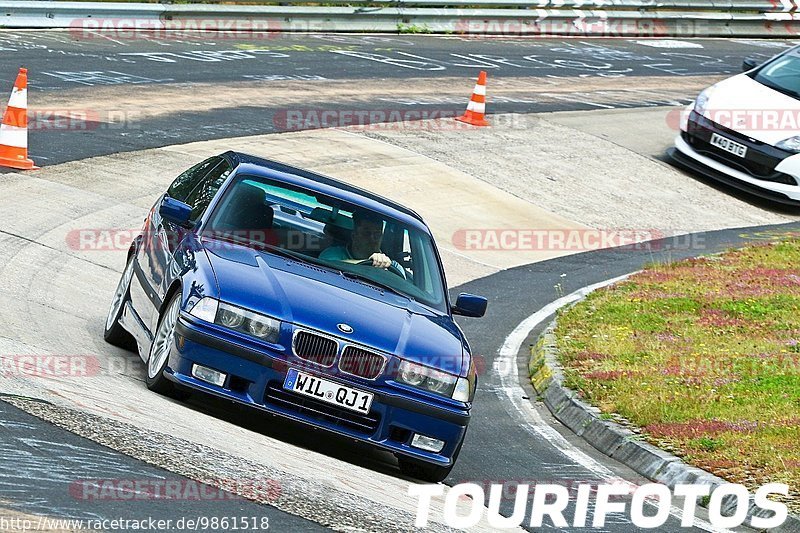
(780, 192)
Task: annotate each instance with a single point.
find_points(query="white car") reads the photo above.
(745, 130)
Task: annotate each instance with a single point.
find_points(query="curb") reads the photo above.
(617, 441)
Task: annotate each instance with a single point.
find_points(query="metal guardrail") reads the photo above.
(759, 6)
(624, 18)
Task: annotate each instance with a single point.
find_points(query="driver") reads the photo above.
(365, 243)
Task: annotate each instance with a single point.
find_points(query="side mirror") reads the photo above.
(175, 211)
(469, 305)
(749, 64)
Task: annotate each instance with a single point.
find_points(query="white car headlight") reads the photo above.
(430, 379)
(792, 144)
(205, 309)
(238, 319)
(701, 103)
(462, 390)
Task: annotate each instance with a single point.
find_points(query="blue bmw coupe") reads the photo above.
(304, 297)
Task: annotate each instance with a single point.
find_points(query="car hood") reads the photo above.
(320, 299)
(742, 93)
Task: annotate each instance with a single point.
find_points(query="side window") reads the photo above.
(202, 195)
(425, 262)
(407, 259)
(188, 180)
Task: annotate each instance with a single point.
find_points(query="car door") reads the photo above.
(162, 238)
(172, 237)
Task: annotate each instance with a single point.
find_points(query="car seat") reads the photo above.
(247, 215)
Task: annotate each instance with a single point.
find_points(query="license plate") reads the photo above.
(728, 145)
(327, 391)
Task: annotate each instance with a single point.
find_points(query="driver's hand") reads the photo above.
(380, 260)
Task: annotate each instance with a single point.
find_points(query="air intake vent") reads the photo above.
(309, 266)
(361, 362)
(315, 348)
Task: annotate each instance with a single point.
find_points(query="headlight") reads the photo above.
(701, 103)
(230, 317)
(462, 390)
(429, 379)
(411, 374)
(238, 319)
(262, 328)
(792, 144)
(205, 309)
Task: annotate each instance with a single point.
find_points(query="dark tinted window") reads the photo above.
(184, 184)
(202, 195)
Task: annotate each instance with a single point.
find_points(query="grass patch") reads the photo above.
(703, 356)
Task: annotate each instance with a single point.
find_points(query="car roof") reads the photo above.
(314, 181)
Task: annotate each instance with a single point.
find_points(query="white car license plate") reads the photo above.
(327, 391)
(728, 145)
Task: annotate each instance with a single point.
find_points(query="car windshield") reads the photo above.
(311, 227)
(782, 74)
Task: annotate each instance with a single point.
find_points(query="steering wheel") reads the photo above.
(393, 268)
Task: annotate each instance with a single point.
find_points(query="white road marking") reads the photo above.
(505, 368)
(104, 36)
(668, 43)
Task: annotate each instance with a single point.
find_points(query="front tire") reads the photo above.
(114, 333)
(162, 345)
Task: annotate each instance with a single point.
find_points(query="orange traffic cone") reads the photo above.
(14, 129)
(476, 109)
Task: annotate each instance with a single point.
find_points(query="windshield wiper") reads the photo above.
(369, 280)
(277, 250)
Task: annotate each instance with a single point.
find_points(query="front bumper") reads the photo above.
(710, 169)
(764, 173)
(255, 378)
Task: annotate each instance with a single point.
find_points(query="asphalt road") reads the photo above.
(67, 59)
(70, 70)
(499, 447)
(48, 471)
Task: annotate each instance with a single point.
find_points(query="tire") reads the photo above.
(113, 332)
(160, 349)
